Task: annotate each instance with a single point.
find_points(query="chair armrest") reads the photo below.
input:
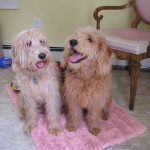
(98, 9)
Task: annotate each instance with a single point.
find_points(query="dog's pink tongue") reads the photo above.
(40, 64)
(75, 57)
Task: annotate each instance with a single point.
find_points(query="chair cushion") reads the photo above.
(130, 40)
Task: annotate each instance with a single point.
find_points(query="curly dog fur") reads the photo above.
(37, 77)
(87, 59)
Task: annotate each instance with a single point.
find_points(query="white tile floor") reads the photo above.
(13, 138)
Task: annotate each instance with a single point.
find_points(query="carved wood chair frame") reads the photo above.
(134, 60)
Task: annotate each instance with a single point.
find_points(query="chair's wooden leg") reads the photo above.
(129, 67)
(135, 72)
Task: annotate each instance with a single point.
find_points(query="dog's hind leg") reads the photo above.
(52, 109)
(31, 115)
(105, 111)
(21, 109)
(74, 117)
(93, 120)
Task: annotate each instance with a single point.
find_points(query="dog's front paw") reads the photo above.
(55, 131)
(71, 127)
(21, 114)
(29, 127)
(95, 131)
(105, 116)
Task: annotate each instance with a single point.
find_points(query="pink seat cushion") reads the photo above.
(129, 40)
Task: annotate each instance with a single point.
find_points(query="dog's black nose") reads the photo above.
(42, 55)
(73, 42)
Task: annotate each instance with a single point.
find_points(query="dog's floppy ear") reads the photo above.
(64, 58)
(65, 55)
(15, 61)
(105, 57)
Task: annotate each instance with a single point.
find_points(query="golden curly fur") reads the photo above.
(37, 77)
(87, 59)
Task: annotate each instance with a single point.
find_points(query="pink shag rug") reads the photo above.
(120, 127)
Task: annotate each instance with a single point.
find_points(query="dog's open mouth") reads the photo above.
(77, 57)
(40, 64)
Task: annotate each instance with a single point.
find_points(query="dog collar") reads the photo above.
(69, 70)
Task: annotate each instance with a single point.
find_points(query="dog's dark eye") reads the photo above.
(41, 41)
(29, 43)
(89, 40)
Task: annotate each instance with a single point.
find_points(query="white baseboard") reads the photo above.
(6, 53)
(58, 54)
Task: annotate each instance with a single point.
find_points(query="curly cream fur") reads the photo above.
(87, 83)
(39, 87)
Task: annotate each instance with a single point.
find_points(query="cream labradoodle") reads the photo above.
(37, 77)
(87, 59)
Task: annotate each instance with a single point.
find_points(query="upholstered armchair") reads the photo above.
(129, 43)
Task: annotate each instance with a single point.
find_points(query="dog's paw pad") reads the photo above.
(95, 131)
